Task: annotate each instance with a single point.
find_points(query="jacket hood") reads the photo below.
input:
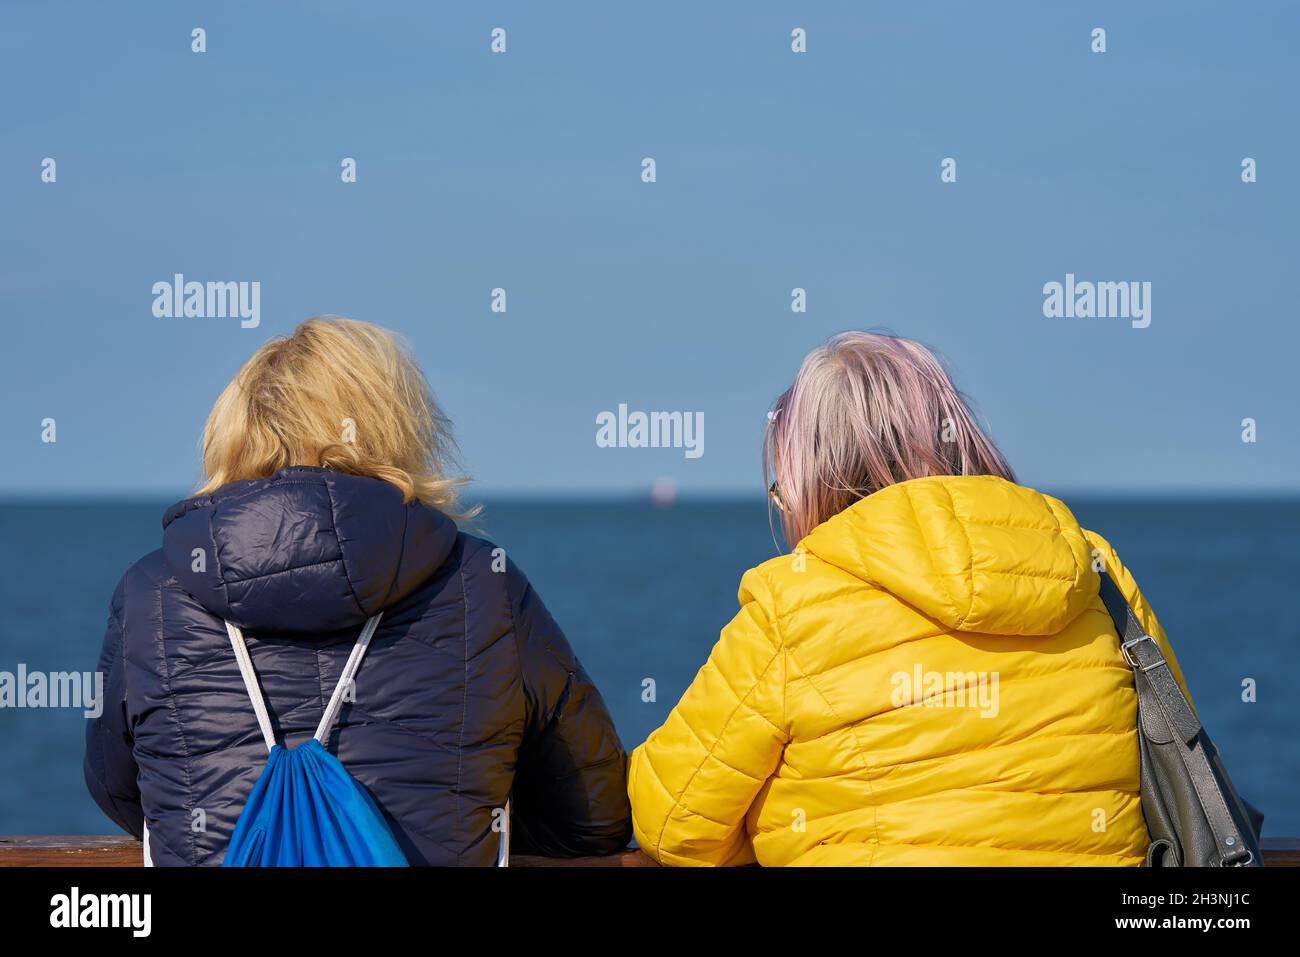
(306, 550)
(975, 553)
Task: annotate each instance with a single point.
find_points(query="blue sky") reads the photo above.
(774, 170)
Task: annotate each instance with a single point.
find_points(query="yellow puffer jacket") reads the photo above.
(929, 679)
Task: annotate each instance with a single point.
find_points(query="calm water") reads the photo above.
(643, 592)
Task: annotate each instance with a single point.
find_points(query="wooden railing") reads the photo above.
(83, 851)
(94, 851)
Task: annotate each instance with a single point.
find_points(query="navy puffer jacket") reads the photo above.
(468, 695)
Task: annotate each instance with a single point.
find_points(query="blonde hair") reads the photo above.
(867, 410)
(338, 394)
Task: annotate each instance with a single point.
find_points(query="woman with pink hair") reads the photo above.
(929, 677)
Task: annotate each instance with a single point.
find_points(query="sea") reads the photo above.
(642, 591)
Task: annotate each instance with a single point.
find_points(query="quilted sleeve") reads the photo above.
(1146, 617)
(110, 769)
(694, 779)
(569, 797)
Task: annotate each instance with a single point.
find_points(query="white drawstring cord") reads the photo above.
(336, 699)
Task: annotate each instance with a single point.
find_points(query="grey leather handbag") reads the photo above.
(1194, 814)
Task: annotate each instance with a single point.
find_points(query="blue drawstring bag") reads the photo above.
(306, 810)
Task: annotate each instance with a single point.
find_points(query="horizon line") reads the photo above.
(644, 494)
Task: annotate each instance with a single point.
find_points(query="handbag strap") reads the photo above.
(1158, 691)
(336, 699)
(1143, 655)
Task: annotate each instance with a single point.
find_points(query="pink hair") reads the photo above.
(865, 411)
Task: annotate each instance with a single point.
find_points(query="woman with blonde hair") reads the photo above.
(929, 678)
(329, 503)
